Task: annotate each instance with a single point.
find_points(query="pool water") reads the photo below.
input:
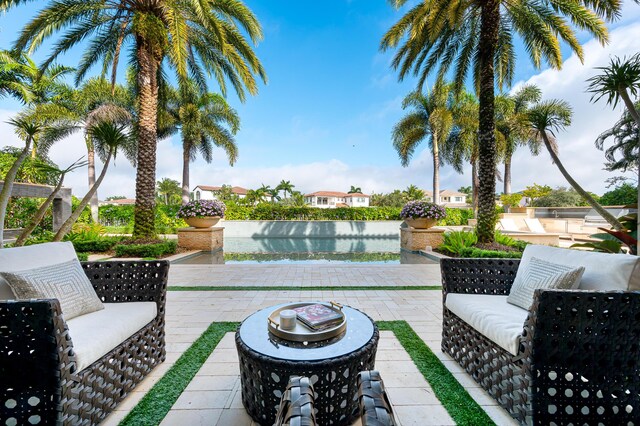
(307, 251)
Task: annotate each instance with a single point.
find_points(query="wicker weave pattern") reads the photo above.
(65, 395)
(297, 404)
(263, 380)
(579, 356)
(375, 408)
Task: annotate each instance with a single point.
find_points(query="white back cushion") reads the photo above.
(21, 258)
(602, 271)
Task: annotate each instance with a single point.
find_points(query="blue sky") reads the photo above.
(323, 120)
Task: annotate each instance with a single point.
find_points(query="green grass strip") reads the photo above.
(155, 405)
(309, 288)
(456, 400)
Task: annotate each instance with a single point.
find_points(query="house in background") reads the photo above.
(334, 199)
(118, 202)
(206, 192)
(447, 198)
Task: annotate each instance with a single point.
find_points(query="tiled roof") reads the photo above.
(357, 194)
(122, 201)
(327, 194)
(234, 189)
(444, 193)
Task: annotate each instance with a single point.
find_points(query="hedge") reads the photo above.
(146, 250)
(96, 246)
(83, 257)
(476, 252)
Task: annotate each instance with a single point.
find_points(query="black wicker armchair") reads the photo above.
(38, 376)
(578, 359)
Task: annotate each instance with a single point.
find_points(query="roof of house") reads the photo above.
(234, 189)
(341, 205)
(357, 194)
(444, 193)
(337, 194)
(122, 201)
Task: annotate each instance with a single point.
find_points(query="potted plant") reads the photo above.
(422, 214)
(202, 213)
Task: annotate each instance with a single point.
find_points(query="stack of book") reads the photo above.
(318, 317)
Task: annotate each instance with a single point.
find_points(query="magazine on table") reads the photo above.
(318, 317)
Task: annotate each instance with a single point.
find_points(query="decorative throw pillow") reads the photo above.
(66, 282)
(542, 274)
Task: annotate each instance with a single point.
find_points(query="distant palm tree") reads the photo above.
(431, 119)
(12, 81)
(286, 187)
(355, 190)
(193, 37)
(204, 120)
(168, 190)
(623, 153)
(457, 38)
(545, 120)
(413, 193)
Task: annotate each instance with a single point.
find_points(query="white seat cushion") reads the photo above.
(35, 256)
(492, 316)
(602, 271)
(94, 335)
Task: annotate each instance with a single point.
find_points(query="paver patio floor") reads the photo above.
(213, 398)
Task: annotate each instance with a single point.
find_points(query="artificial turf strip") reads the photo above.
(155, 405)
(455, 399)
(284, 287)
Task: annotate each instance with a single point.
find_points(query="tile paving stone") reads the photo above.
(192, 417)
(190, 313)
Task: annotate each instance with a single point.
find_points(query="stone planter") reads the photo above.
(202, 222)
(421, 223)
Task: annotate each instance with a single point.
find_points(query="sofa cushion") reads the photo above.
(602, 271)
(540, 274)
(492, 316)
(22, 258)
(65, 281)
(94, 335)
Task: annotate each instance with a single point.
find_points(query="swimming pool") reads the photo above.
(307, 251)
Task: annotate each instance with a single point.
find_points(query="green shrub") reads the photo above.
(456, 217)
(506, 240)
(97, 245)
(476, 252)
(455, 241)
(83, 257)
(154, 250)
(85, 232)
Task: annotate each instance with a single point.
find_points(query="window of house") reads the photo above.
(323, 201)
(458, 199)
(360, 200)
(197, 195)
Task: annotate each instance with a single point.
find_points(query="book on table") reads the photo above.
(318, 317)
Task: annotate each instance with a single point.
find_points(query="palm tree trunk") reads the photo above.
(7, 187)
(37, 218)
(436, 170)
(636, 116)
(474, 187)
(144, 216)
(587, 197)
(489, 25)
(91, 173)
(68, 224)
(507, 174)
(186, 160)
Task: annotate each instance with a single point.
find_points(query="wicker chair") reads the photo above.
(39, 381)
(578, 359)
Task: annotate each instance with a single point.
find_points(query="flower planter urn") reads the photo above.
(421, 222)
(202, 222)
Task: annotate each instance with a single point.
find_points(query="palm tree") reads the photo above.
(414, 193)
(95, 100)
(510, 123)
(204, 120)
(12, 77)
(168, 190)
(620, 80)
(626, 135)
(355, 190)
(286, 187)
(108, 137)
(42, 210)
(196, 38)
(545, 120)
(456, 37)
(431, 119)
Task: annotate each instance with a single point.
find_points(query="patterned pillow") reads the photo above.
(66, 282)
(542, 274)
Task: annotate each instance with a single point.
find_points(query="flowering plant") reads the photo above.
(201, 208)
(422, 209)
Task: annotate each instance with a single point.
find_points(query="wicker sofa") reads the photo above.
(573, 358)
(75, 372)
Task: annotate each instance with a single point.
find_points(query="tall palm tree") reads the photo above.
(196, 38)
(545, 120)
(286, 187)
(354, 189)
(204, 120)
(108, 137)
(169, 190)
(455, 37)
(431, 119)
(510, 123)
(623, 153)
(620, 80)
(95, 99)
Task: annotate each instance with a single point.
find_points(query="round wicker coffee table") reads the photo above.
(267, 362)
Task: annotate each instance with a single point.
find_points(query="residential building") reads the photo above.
(118, 202)
(206, 192)
(447, 197)
(334, 199)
